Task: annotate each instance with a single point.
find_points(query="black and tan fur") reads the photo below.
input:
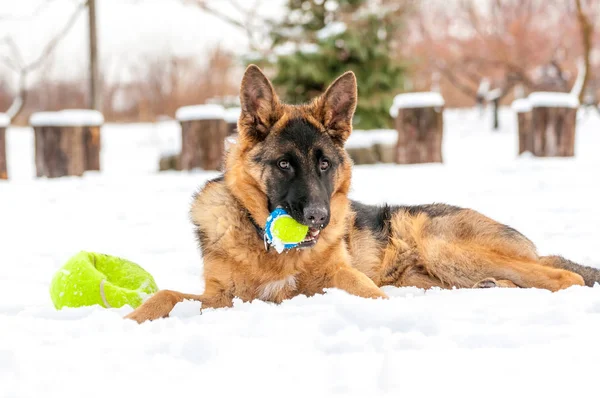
(360, 248)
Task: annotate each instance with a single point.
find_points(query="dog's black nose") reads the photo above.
(315, 216)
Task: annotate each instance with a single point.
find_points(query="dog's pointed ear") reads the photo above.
(259, 104)
(338, 104)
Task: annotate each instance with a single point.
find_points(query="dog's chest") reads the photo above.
(278, 290)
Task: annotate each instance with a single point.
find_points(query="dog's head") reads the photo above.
(292, 156)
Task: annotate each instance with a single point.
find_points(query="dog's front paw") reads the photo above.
(140, 316)
(156, 307)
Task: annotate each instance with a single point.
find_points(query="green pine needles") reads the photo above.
(321, 39)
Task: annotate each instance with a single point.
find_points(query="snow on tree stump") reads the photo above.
(231, 118)
(553, 123)
(67, 143)
(203, 132)
(4, 122)
(522, 107)
(418, 119)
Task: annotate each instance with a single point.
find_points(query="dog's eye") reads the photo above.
(324, 165)
(283, 164)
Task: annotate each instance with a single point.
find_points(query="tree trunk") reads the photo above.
(524, 131)
(420, 132)
(587, 32)
(203, 144)
(59, 151)
(495, 109)
(3, 168)
(363, 155)
(92, 148)
(94, 76)
(553, 131)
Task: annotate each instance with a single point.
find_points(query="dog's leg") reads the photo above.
(463, 264)
(590, 275)
(160, 305)
(420, 280)
(424, 281)
(356, 283)
(533, 274)
(163, 302)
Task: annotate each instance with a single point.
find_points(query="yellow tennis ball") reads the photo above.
(288, 230)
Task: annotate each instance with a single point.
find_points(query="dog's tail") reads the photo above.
(590, 275)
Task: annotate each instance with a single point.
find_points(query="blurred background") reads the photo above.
(147, 58)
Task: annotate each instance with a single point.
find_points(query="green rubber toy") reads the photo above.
(92, 278)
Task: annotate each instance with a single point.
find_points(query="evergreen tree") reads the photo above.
(321, 39)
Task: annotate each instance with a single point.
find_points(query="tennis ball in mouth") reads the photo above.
(283, 232)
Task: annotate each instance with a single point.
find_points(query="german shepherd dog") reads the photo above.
(293, 156)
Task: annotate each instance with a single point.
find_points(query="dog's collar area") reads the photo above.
(261, 233)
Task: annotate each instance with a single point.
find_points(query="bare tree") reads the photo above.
(14, 61)
(587, 32)
(248, 21)
(529, 44)
(94, 79)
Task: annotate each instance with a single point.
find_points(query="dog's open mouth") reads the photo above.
(311, 238)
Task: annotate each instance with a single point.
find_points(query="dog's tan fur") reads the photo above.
(456, 250)
(460, 249)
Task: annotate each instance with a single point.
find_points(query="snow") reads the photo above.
(67, 117)
(367, 138)
(425, 343)
(4, 120)
(232, 114)
(330, 30)
(521, 105)
(14, 107)
(290, 48)
(200, 112)
(580, 79)
(484, 87)
(416, 100)
(493, 94)
(545, 99)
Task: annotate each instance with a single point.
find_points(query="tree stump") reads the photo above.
(4, 122)
(553, 123)
(67, 143)
(169, 162)
(420, 126)
(385, 153)
(231, 118)
(203, 132)
(523, 109)
(362, 155)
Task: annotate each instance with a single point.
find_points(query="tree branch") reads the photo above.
(247, 26)
(16, 63)
(37, 11)
(587, 30)
(51, 46)
(455, 81)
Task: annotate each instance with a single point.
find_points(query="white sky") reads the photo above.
(129, 31)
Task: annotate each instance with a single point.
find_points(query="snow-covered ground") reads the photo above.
(457, 343)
